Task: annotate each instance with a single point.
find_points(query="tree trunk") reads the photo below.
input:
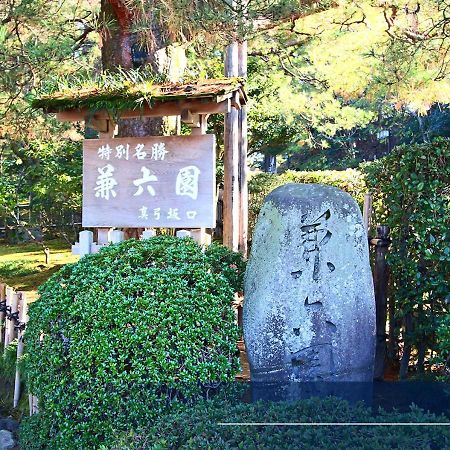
(407, 347)
(118, 44)
(116, 38)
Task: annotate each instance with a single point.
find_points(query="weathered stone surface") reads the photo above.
(8, 424)
(309, 309)
(7, 441)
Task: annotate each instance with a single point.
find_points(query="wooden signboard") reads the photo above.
(155, 181)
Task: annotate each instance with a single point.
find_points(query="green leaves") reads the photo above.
(350, 180)
(118, 337)
(412, 186)
(196, 427)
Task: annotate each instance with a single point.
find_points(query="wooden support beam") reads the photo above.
(236, 100)
(231, 161)
(201, 235)
(201, 126)
(243, 169)
(106, 127)
(189, 118)
(101, 125)
(160, 109)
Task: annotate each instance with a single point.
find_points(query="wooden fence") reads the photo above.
(13, 320)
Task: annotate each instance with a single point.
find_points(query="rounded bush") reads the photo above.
(121, 335)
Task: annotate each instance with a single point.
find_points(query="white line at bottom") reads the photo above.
(339, 424)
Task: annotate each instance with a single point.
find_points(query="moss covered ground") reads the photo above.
(23, 267)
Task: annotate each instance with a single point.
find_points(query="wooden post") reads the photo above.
(12, 299)
(231, 160)
(243, 144)
(2, 313)
(106, 129)
(23, 319)
(367, 211)
(381, 243)
(197, 128)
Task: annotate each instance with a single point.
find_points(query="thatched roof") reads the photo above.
(128, 95)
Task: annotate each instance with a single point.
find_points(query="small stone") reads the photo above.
(7, 441)
(9, 424)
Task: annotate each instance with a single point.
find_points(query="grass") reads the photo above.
(22, 266)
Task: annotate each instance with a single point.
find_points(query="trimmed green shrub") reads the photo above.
(198, 428)
(8, 364)
(120, 336)
(229, 264)
(350, 180)
(412, 184)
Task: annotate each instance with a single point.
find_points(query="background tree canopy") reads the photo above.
(331, 83)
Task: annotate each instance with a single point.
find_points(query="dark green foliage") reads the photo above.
(8, 359)
(413, 186)
(229, 264)
(350, 180)
(197, 428)
(443, 345)
(47, 174)
(120, 336)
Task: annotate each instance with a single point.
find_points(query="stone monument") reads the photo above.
(309, 309)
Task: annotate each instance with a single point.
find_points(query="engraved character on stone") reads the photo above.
(318, 357)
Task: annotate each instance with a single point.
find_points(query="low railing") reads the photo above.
(13, 321)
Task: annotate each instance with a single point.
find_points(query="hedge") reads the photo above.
(351, 181)
(122, 335)
(412, 186)
(198, 427)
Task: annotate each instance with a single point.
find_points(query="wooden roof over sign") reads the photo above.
(146, 99)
